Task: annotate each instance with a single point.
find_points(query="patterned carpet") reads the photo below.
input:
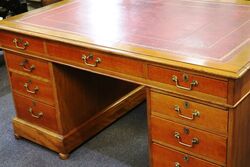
(123, 144)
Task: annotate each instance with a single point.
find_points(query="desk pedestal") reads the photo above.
(63, 107)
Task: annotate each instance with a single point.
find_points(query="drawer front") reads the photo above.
(35, 112)
(28, 65)
(95, 59)
(22, 42)
(33, 88)
(189, 113)
(165, 157)
(185, 81)
(189, 139)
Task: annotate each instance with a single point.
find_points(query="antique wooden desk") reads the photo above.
(77, 66)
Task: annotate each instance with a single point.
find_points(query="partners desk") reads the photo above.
(77, 66)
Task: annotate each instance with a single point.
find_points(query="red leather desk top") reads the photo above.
(192, 30)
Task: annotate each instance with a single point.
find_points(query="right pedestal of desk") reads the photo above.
(202, 125)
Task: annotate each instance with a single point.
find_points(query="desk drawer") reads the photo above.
(22, 42)
(189, 113)
(165, 157)
(35, 112)
(28, 65)
(188, 82)
(189, 139)
(95, 59)
(33, 88)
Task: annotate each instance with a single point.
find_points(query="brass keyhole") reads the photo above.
(186, 131)
(185, 78)
(186, 158)
(33, 103)
(186, 104)
(90, 56)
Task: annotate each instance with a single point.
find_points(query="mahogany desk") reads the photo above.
(75, 67)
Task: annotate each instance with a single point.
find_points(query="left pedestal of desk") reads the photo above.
(60, 107)
(35, 100)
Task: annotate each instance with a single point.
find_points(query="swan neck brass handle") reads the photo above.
(24, 65)
(192, 84)
(37, 116)
(195, 113)
(193, 142)
(20, 44)
(26, 86)
(90, 57)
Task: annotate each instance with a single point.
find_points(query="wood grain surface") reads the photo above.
(44, 92)
(48, 118)
(164, 106)
(41, 68)
(163, 157)
(210, 146)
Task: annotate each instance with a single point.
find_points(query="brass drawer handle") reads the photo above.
(192, 84)
(194, 140)
(37, 116)
(195, 113)
(20, 44)
(90, 57)
(177, 164)
(26, 86)
(24, 65)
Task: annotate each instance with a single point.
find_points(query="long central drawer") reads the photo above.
(89, 58)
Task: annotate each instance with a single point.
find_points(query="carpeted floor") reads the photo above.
(123, 144)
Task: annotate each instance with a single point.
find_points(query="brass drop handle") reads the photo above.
(192, 84)
(37, 116)
(26, 86)
(24, 65)
(194, 140)
(20, 44)
(177, 164)
(90, 57)
(195, 113)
